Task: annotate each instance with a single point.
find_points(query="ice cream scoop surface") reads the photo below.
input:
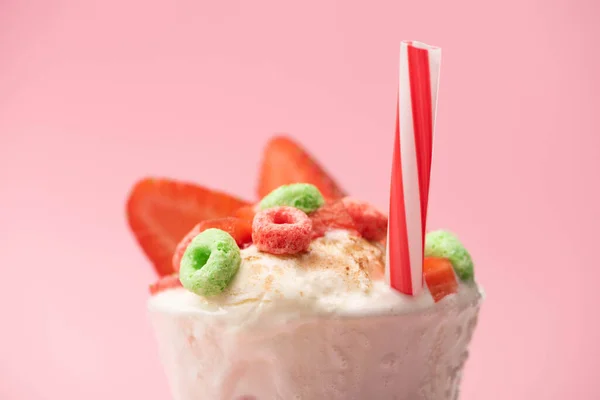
(340, 274)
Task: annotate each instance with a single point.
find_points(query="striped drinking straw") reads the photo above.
(411, 167)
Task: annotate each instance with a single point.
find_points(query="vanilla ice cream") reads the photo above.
(319, 325)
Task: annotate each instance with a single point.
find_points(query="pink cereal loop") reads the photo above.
(281, 230)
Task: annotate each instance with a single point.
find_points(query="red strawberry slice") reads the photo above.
(183, 245)
(164, 283)
(332, 216)
(161, 211)
(246, 212)
(239, 229)
(439, 276)
(285, 162)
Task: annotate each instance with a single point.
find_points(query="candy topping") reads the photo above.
(303, 196)
(444, 244)
(330, 217)
(210, 262)
(439, 276)
(370, 222)
(281, 230)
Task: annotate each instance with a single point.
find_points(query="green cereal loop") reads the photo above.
(445, 244)
(303, 196)
(210, 262)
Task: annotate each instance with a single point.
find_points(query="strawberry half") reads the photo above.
(161, 211)
(285, 162)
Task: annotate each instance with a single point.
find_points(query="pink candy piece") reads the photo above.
(332, 216)
(370, 222)
(281, 230)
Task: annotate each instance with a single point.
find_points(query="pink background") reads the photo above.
(96, 94)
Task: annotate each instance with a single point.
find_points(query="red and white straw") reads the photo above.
(409, 191)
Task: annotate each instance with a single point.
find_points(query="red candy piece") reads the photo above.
(439, 276)
(239, 229)
(332, 216)
(370, 222)
(282, 230)
(164, 283)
